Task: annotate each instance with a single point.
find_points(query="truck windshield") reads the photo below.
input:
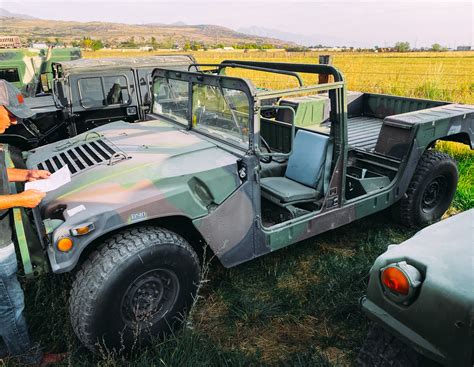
(217, 111)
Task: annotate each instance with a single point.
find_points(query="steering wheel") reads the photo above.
(267, 159)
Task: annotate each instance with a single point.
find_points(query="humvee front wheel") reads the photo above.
(431, 190)
(140, 284)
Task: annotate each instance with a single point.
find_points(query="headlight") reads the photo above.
(400, 281)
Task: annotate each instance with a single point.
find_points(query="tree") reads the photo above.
(437, 47)
(97, 45)
(153, 43)
(402, 46)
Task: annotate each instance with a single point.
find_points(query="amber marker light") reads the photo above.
(395, 280)
(400, 281)
(82, 229)
(65, 244)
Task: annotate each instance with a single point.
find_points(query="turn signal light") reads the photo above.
(83, 229)
(395, 280)
(400, 281)
(65, 244)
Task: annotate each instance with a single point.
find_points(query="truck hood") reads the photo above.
(122, 166)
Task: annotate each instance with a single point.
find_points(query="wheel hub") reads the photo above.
(150, 297)
(433, 193)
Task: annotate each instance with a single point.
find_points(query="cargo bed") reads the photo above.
(363, 131)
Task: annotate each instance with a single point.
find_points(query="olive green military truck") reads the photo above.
(29, 69)
(80, 95)
(224, 164)
(421, 299)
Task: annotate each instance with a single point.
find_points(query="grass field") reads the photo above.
(298, 306)
(444, 76)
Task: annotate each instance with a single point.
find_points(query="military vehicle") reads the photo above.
(220, 163)
(421, 298)
(87, 93)
(27, 69)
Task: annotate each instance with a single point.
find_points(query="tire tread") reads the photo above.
(96, 269)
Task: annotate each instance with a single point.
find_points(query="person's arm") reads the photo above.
(25, 199)
(23, 175)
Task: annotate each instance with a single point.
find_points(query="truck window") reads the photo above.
(91, 92)
(116, 88)
(171, 99)
(221, 112)
(10, 75)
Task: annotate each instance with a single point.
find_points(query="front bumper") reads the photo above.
(403, 332)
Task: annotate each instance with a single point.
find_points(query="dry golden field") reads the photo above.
(435, 75)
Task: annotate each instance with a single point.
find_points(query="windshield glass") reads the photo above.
(217, 111)
(171, 98)
(221, 112)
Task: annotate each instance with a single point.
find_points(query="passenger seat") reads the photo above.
(308, 172)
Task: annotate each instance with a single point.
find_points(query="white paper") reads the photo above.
(56, 180)
(75, 210)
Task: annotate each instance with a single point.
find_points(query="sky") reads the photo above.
(359, 23)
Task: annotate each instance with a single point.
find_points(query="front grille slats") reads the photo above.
(88, 160)
(100, 151)
(83, 156)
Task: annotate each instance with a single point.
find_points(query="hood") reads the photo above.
(121, 164)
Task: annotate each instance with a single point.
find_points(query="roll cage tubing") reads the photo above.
(336, 91)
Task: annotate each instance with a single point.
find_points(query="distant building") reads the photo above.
(463, 48)
(10, 42)
(39, 46)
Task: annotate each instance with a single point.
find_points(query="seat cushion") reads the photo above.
(287, 190)
(307, 159)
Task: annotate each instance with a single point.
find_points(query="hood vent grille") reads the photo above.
(85, 155)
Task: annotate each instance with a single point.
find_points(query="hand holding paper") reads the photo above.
(56, 180)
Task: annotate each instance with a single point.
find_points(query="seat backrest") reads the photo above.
(306, 164)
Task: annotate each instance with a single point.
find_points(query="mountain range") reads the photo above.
(28, 27)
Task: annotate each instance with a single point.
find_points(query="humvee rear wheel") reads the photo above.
(139, 285)
(431, 190)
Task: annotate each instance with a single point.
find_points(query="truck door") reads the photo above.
(98, 99)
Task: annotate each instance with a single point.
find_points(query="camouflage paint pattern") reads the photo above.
(30, 63)
(172, 170)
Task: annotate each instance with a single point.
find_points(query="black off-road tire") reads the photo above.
(431, 190)
(140, 284)
(382, 349)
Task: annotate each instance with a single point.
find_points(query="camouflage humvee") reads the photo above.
(421, 294)
(83, 94)
(26, 67)
(245, 171)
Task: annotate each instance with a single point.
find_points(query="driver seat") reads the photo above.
(307, 174)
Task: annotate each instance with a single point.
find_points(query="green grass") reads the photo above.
(295, 307)
(464, 198)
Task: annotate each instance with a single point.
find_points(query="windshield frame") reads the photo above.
(220, 82)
